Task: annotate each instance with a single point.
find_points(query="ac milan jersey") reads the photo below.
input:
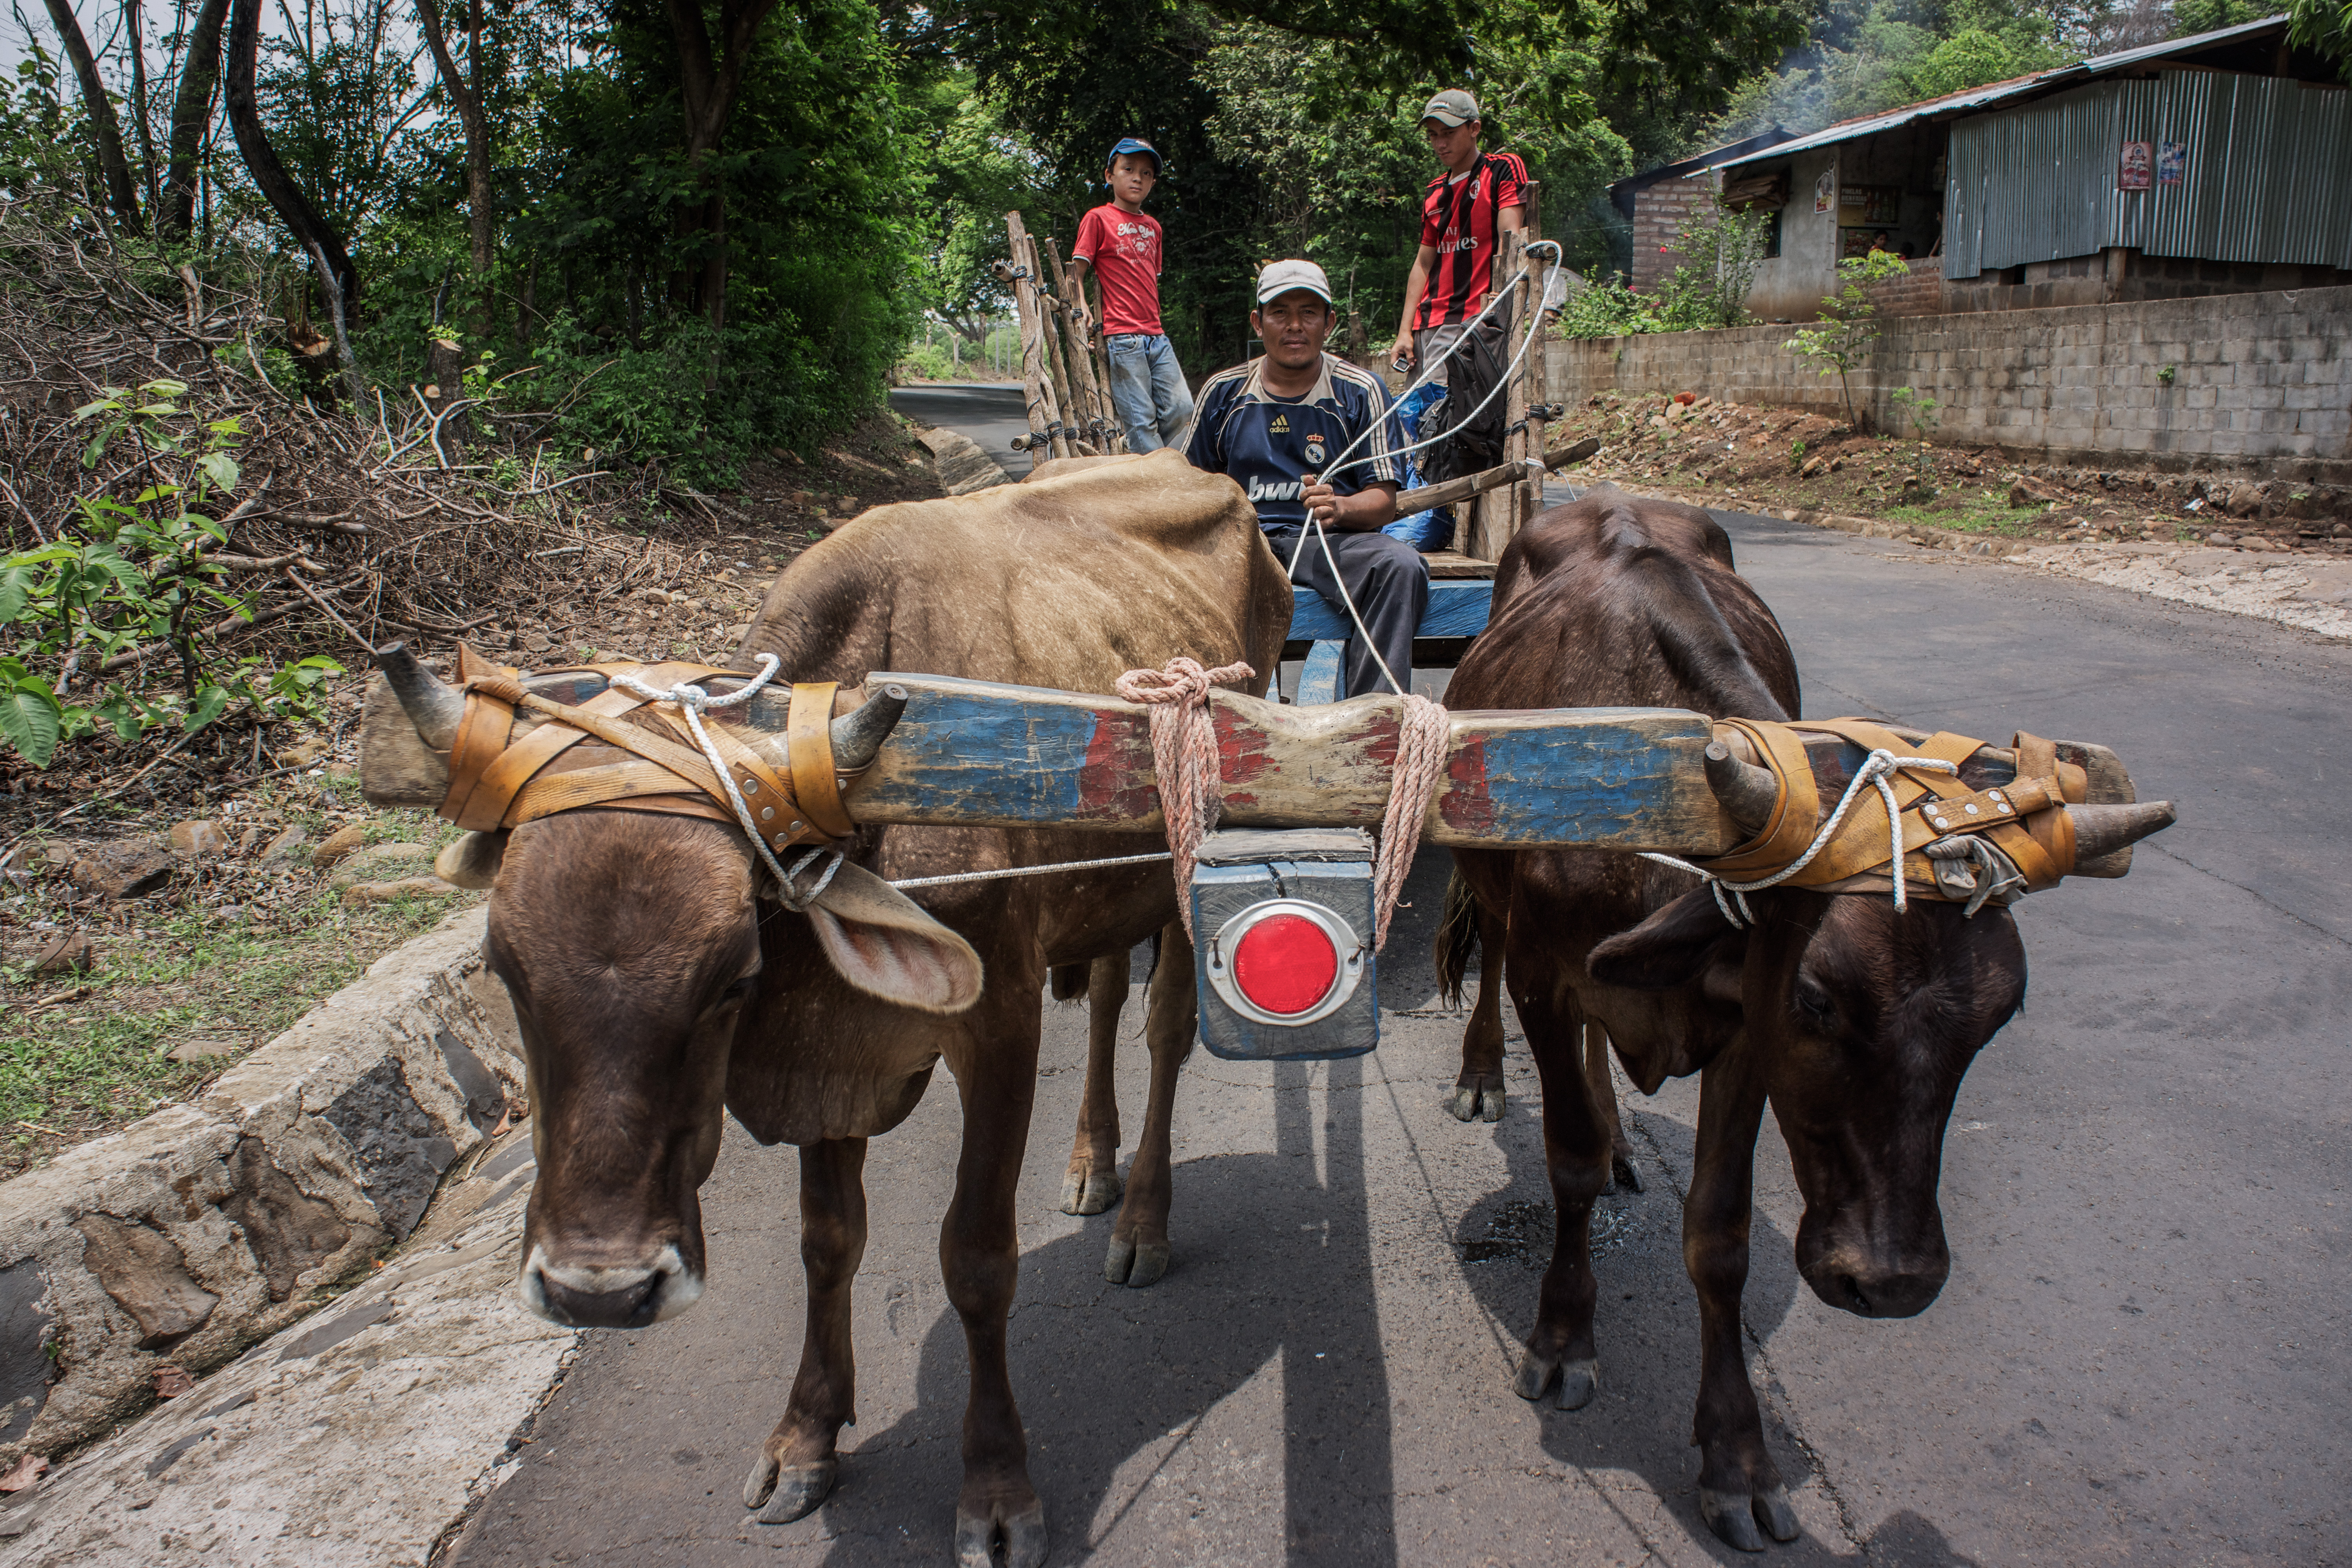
(1459, 218)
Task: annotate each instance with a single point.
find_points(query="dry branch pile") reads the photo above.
(346, 528)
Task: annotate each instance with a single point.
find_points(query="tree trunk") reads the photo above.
(191, 114)
(481, 215)
(135, 25)
(270, 176)
(122, 191)
(710, 83)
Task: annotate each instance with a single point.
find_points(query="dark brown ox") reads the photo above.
(1855, 1023)
(657, 992)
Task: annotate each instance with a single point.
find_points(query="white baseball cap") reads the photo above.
(1281, 276)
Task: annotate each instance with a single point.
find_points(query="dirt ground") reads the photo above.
(1785, 457)
(134, 969)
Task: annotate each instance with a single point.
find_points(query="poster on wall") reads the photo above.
(1825, 191)
(2172, 162)
(2137, 170)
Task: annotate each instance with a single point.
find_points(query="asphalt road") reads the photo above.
(2141, 1355)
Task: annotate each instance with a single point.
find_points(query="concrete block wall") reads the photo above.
(2259, 380)
(1660, 210)
(1921, 293)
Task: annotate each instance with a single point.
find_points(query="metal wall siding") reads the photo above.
(2265, 178)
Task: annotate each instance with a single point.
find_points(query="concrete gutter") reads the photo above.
(195, 1231)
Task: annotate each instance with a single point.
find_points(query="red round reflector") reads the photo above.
(1285, 964)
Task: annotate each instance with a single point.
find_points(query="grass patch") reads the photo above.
(232, 950)
(1987, 512)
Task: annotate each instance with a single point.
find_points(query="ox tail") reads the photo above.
(1068, 981)
(1456, 941)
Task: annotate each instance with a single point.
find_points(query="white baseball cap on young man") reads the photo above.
(1281, 276)
(1452, 108)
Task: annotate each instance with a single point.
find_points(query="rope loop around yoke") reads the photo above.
(1183, 750)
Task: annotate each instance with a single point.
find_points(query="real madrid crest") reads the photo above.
(1315, 450)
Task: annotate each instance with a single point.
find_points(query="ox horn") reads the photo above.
(858, 736)
(1747, 792)
(433, 705)
(2104, 829)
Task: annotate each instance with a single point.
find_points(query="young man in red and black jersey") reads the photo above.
(1475, 199)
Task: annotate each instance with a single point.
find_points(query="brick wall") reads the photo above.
(1659, 213)
(1920, 294)
(2260, 380)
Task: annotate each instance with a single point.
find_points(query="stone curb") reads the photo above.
(197, 1230)
(362, 1437)
(961, 463)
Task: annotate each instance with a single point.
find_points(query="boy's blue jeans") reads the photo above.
(1147, 390)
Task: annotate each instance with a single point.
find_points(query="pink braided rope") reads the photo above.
(1183, 751)
(1423, 731)
(1184, 754)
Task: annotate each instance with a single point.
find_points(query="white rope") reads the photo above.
(1315, 524)
(1874, 772)
(694, 701)
(1030, 870)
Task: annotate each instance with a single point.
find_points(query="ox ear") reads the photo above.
(886, 945)
(1673, 946)
(471, 861)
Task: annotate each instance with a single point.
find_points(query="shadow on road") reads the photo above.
(1103, 1385)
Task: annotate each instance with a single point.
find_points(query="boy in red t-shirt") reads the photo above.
(1477, 197)
(1118, 242)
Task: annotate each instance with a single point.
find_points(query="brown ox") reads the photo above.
(1855, 1023)
(655, 994)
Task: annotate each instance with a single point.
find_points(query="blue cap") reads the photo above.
(1132, 144)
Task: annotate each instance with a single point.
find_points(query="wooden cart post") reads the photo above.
(1045, 436)
(1530, 392)
(1092, 395)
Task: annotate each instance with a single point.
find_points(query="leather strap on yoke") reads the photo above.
(494, 785)
(2025, 820)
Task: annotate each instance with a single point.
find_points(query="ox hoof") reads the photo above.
(1577, 1379)
(788, 1494)
(1090, 1192)
(1735, 1516)
(1020, 1538)
(1469, 1102)
(1135, 1266)
(1624, 1175)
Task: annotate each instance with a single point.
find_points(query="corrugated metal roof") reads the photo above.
(1998, 91)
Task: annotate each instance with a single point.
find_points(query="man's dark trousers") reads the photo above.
(1390, 583)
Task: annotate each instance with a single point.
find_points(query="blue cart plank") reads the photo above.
(1457, 608)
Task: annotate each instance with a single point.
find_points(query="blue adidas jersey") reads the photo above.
(1267, 442)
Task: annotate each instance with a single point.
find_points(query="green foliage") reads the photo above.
(1918, 408)
(1849, 326)
(128, 573)
(1707, 290)
(2324, 26)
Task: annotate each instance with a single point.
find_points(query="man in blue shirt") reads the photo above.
(1278, 426)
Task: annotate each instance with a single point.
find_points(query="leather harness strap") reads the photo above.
(494, 784)
(2025, 820)
(808, 740)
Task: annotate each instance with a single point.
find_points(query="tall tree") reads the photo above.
(191, 114)
(312, 231)
(122, 190)
(711, 83)
(464, 90)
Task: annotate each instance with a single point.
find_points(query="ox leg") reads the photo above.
(999, 1516)
(1092, 1184)
(1739, 1488)
(1576, 1159)
(1138, 1242)
(1623, 1172)
(1479, 1090)
(797, 1466)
